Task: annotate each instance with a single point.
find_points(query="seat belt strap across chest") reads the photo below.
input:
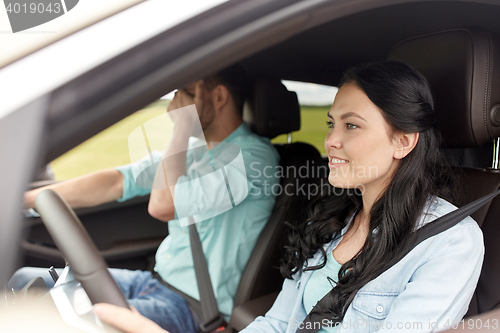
(443, 223)
(211, 318)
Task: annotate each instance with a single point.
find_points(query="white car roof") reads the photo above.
(88, 12)
(46, 69)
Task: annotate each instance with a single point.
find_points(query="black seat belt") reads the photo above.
(310, 325)
(211, 318)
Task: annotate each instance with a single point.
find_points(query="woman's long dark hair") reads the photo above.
(404, 96)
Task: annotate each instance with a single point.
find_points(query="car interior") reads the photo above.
(455, 60)
(455, 44)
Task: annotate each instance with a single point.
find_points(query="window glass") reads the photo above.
(108, 148)
(315, 100)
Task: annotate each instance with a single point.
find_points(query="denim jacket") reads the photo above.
(428, 290)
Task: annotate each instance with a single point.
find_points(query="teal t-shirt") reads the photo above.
(228, 192)
(319, 284)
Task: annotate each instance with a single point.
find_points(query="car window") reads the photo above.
(315, 100)
(110, 147)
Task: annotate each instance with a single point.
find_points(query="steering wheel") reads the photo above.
(87, 265)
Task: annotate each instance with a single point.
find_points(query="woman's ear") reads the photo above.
(404, 143)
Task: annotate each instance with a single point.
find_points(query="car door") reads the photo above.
(125, 233)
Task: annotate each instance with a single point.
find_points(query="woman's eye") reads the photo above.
(351, 126)
(329, 124)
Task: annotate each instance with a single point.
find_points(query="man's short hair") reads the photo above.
(237, 82)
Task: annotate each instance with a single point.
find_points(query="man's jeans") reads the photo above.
(148, 295)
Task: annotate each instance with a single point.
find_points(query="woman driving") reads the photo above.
(383, 152)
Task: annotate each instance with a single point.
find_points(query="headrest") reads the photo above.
(463, 69)
(274, 109)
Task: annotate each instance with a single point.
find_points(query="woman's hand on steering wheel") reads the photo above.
(128, 321)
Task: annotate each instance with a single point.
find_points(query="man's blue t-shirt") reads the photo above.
(228, 191)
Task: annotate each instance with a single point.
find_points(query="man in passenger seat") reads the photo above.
(227, 238)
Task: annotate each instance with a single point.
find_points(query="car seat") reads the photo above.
(463, 68)
(274, 111)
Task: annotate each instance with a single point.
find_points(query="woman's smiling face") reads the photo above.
(360, 145)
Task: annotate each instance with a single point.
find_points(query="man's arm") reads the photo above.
(85, 191)
(173, 164)
(107, 185)
(170, 168)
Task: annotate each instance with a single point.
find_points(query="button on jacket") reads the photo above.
(428, 290)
